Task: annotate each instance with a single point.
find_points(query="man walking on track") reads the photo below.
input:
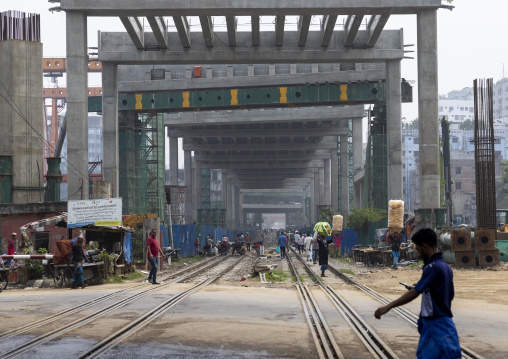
(438, 335)
(282, 244)
(153, 251)
(247, 241)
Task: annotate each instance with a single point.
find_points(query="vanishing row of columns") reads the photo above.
(322, 186)
(77, 115)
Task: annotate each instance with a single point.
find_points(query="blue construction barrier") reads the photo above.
(184, 236)
(165, 235)
(348, 242)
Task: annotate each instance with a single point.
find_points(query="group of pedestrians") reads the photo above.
(316, 248)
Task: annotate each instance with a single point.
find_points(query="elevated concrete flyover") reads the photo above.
(273, 208)
(310, 42)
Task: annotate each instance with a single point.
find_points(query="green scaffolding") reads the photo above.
(376, 164)
(141, 144)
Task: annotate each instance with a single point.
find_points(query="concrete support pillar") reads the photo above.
(229, 204)
(233, 205)
(316, 195)
(313, 216)
(187, 169)
(428, 108)
(238, 207)
(304, 215)
(110, 155)
(358, 145)
(198, 185)
(193, 175)
(334, 160)
(77, 107)
(394, 129)
(327, 187)
(321, 174)
(173, 160)
(344, 178)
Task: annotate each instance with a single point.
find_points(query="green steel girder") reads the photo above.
(304, 95)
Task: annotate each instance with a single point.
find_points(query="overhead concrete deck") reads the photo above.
(276, 46)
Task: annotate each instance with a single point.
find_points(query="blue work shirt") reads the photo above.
(282, 240)
(436, 287)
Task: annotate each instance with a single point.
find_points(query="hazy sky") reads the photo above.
(471, 42)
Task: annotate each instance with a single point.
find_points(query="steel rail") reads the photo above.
(133, 327)
(86, 305)
(315, 319)
(82, 321)
(401, 311)
(376, 346)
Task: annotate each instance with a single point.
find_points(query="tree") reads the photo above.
(467, 125)
(360, 218)
(326, 215)
(413, 125)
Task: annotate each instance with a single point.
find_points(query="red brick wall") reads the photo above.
(12, 223)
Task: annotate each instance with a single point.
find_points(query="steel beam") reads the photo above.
(182, 26)
(135, 31)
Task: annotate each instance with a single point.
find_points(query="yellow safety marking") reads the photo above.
(343, 92)
(138, 105)
(283, 95)
(186, 95)
(234, 97)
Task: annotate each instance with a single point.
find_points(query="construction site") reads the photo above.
(282, 127)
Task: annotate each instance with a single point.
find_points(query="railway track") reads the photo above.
(401, 311)
(48, 336)
(325, 343)
(148, 317)
(202, 265)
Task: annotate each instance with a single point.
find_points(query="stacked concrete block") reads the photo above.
(485, 244)
(465, 259)
(461, 240)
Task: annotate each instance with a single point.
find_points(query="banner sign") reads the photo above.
(99, 212)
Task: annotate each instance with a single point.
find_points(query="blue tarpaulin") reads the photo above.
(127, 247)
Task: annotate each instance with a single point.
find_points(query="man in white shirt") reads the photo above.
(307, 242)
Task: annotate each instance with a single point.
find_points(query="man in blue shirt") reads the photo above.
(438, 335)
(282, 244)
